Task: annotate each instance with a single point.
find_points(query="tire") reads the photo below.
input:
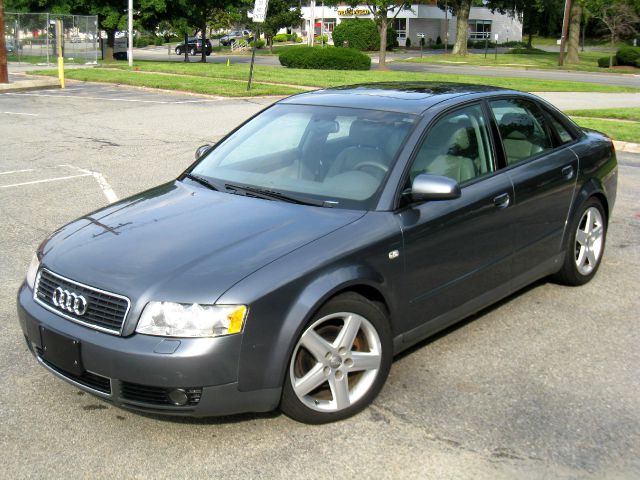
(345, 368)
(585, 245)
(192, 51)
(178, 52)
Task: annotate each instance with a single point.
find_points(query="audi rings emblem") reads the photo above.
(69, 301)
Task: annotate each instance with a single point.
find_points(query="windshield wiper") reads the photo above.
(272, 195)
(202, 181)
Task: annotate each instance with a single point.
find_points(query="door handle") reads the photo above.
(567, 172)
(502, 201)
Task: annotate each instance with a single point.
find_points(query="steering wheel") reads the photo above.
(368, 163)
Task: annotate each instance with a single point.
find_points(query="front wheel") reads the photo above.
(192, 51)
(178, 51)
(340, 362)
(585, 247)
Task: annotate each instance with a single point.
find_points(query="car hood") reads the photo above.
(183, 243)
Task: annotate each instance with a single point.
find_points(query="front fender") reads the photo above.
(292, 289)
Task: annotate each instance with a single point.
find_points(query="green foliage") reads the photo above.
(407, 42)
(527, 51)
(321, 39)
(604, 62)
(258, 43)
(325, 58)
(281, 13)
(356, 33)
(286, 37)
(628, 56)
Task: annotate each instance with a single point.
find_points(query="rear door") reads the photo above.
(543, 170)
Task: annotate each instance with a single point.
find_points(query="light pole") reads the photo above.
(130, 34)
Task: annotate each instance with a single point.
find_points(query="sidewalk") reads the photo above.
(21, 83)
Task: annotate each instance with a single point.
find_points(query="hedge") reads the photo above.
(362, 34)
(604, 62)
(628, 56)
(324, 58)
(285, 37)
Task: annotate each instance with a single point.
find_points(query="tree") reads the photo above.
(538, 16)
(281, 13)
(573, 40)
(460, 9)
(620, 17)
(384, 13)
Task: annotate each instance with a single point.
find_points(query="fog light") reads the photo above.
(178, 397)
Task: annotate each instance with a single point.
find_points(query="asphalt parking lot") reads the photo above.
(544, 385)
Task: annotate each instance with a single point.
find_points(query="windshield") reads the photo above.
(340, 156)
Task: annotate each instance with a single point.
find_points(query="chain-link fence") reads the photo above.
(31, 37)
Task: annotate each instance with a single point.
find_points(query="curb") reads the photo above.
(26, 85)
(626, 147)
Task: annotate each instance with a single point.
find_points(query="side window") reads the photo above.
(563, 134)
(457, 146)
(522, 128)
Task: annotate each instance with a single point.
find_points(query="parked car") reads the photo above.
(194, 47)
(290, 263)
(235, 36)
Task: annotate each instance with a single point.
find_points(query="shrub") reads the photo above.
(141, 42)
(514, 44)
(282, 37)
(158, 41)
(407, 43)
(439, 40)
(628, 55)
(357, 33)
(324, 58)
(604, 62)
(526, 51)
(321, 39)
(638, 63)
(258, 43)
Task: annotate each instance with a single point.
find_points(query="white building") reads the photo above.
(421, 19)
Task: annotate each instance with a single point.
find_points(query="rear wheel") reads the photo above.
(192, 51)
(585, 247)
(340, 361)
(178, 51)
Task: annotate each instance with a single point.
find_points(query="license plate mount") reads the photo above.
(61, 351)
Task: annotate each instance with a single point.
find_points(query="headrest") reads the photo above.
(516, 126)
(460, 139)
(367, 134)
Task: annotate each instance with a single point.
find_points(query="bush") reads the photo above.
(514, 44)
(158, 41)
(478, 44)
(318, 39)
(407, 43)
(258, 43)
(282, 37)
(638, 63)
(324, 58)
(356, 33)
(628, 55)
(604, 62)
(526, 51)
(439, 40)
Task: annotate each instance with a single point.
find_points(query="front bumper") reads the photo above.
(139, 371)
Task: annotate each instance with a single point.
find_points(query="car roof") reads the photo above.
(403, 97)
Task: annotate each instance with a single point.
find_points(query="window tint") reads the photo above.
(457, 146)
(563, 134)
(522, 128)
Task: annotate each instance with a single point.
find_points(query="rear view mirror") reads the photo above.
(326, 126)
(434, 187)
(202, 149)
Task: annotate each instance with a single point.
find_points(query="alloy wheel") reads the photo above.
(589, 241)
(335, 362)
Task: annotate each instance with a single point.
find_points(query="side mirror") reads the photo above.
(434, 187)
(202, 149)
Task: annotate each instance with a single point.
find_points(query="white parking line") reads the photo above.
(17, 171)
(21, 113)
(45, 180)
(131, 100)
(102, 182)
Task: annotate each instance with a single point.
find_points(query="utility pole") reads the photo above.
(4, 74)
(565, 28)
(130, 34)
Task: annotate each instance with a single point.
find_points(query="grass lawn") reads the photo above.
(35, 59)
(212, 86)
(623, 131)
(544, 60)
(330, 78)
(632, 114)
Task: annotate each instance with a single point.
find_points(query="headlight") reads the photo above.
(33, 270)
(170, 319)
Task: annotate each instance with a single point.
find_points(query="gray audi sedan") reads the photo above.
(290, 263)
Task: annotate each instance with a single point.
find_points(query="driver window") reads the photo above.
(457, 146)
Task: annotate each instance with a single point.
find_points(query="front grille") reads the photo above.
(156, 395)
(105, 311)
(88, 379)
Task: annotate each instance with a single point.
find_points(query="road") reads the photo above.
(543, 385)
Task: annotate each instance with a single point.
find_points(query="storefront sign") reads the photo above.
(347, 11)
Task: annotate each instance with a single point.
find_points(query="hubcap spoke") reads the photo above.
(340, 391)
(597, 232)
(588, 225)
(313, 379)
(581, 237)
(591, 256)
(581, 257)
(317, 345)
(364, 361)
(347, 335)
